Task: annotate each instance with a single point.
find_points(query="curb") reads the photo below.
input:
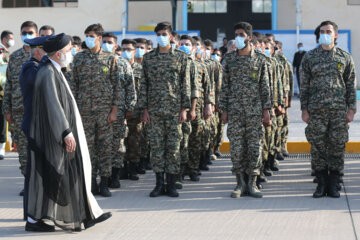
(300, 147)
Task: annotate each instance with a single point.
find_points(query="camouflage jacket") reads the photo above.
(245, 90)
(96, 81)
(138, 78)
(277, 89)
(194, 83)
(166, 88)
(285, 76)
(13, 101)
(206, 95)
(328, 80)
(127, 84)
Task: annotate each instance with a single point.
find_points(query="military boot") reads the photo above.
(210, 156)
(332, 190)
(141, 166)
(262, 177)
(94, 186)
(123, 172)
(203, 162)
(159, 188)
(132, 171)
(114, 180)
(104, 190)
(280, 156)
(258, 183)
(313, 173)
(179, 182)
(170, 186)
(253, 190)
(274, 165)
(217, 152)
(194, 176)
(285, 153)
(322, 184)
(267, 171)
(240, 188)
(148, 165)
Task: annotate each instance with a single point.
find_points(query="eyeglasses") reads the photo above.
(25, 33)
(128, 49)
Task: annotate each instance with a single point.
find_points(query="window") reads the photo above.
(207, 6)
(261, 6)
(353, 2)
(38, 3)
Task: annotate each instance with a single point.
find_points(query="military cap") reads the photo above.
(56, 42)
(37, 42)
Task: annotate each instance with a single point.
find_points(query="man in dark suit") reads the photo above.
(297, 61)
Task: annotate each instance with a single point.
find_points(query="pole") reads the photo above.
(125, 19)
(185, 16)
(298, 21)
(174, 13)
(274, 9)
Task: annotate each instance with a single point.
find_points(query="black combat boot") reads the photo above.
(160, 187)
(217, 152)
(322, 184)
(253, 190)
(313, 173)
(170, 186)
(141, 166)
(148, 165)
(132, 171)
(194, 176)
(285, 153)
(262, 177)
(209, 153)
(332, 190)
(280, 156)
(114, 180)
(104, 190)
(241, 187)
(203, 162)
(94, 186)
(123, 172)
(259, 184)
(179, 177)
(274, 165)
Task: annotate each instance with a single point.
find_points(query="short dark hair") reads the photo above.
(128, 41)
(5, 34)
(76, 40)
(47, 27)
(150, 43)
(141, 40)
(216, 49)
(198, 39)
(176, 36)
(97, 28)
(208, 43)
(254, 39)
(247, 27)
(163, 26)
(270, 35)
(224, 38)
(259, 36)
(278, 44)
(300, 43)
(29, 24)
(118, 48)
(110, 35)
(335, 26)
(187, 37)
(83, 45)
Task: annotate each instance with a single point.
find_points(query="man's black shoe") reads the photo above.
(39, 226)
(100, 219)
(21, 193)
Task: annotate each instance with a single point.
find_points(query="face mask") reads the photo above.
(73, 51)
(90, 42)
(186, 49)
(198, 49)
(127, 55)
(107, 47)
(215, 57)
(27, 36)
(325, 39)
(173, 45)
(301, 49)
(240, 42)
(207, 53)
(11, 43)
(66, 59)
(163, 41)
(139, 52)
(267, 52)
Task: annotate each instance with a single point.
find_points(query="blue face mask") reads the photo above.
(198, 49)
(325, 39)
(173, 45)
(215, 57)
(186, 49)
(240, 42)
(27, 36)
(73, 51)
(267, 52)
(127, 55)
(139, 52)
(301, 49)
(107, 47)
(90, 42)
(163, 41)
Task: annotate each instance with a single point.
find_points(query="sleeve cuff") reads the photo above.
(67, 133)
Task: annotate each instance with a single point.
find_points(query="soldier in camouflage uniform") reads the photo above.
(7, 41)
(165, 98)
(328, 104)
(13, 109)
(97, 80)
(245, 102)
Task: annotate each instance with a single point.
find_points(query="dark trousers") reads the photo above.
(2, 125)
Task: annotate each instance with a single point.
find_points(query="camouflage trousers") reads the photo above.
(99, 137)
(277, 137)
(269, 139)
(195, 143)
(144, 142)
(210, 131)
(327, 132)
(119, 149)
(184, 145)
(132, 142)
(166, 135)
(220, 131)
(285, 131)
(20, 140)
(246, 141)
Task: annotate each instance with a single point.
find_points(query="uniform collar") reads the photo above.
(56, 65)
(172, 50)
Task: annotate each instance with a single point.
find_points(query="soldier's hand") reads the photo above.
(129, 114)
(305, 116)
(266, 117)
(207, 111)
(224, 117)
(182, 117)
(9, 118)
(70, 144)
(146, 116)
(112, 117)
(350, 115)
(192, 115)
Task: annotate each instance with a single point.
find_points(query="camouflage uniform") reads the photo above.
(96, 80)
(328, 91)
(219, 124)
(206, 96)
(245, 93)
(164, 93)
(13, 103)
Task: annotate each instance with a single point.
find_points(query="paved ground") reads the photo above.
(204, 210)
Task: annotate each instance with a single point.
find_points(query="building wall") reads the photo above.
(71, 20)
(314, 12)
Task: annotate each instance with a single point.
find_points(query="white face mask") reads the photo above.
(66, 59)
(11, 43)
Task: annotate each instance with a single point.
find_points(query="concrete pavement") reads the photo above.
(204, 209)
